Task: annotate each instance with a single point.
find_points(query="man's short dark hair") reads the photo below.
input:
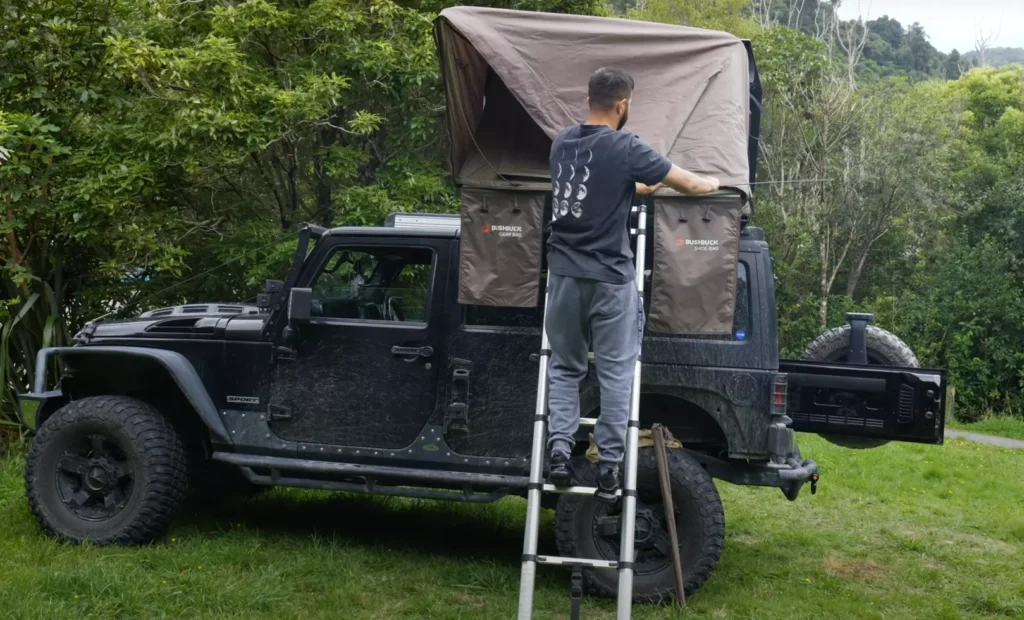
(607, 87)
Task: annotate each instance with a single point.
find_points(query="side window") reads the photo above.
(741, 320)
(490, 316)
(495, 316)
(375, 284)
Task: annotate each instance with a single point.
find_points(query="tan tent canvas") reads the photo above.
(515, 79)
(691, 100)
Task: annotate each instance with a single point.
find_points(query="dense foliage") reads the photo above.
(145, 142)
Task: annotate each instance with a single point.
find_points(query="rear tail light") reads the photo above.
(780, 394)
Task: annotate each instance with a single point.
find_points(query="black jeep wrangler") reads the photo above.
(361, 372)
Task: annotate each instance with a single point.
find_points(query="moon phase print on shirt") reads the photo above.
(563, 188)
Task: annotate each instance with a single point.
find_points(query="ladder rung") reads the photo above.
(560, 561)
(583, 421)
(550, 488)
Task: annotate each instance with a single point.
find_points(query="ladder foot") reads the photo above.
(575, 592)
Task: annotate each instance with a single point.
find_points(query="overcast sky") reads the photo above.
(949, 23)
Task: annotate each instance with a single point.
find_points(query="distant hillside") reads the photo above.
(892, 48)
(999, 56)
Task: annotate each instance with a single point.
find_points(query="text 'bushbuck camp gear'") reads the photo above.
(500, 253)
(696, 246)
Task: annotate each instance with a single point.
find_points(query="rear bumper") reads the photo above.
(790, 476)
(796, 475)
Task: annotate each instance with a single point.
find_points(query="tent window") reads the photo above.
(509, 144)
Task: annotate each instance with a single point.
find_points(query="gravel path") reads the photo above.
(1002, 442)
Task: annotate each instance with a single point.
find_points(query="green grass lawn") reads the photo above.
(902, 531)
(1001, 426)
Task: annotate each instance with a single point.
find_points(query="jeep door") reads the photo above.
(493, 363)
(365, 367)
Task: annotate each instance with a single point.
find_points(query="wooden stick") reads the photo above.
(660, 454)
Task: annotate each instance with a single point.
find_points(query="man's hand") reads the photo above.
(686, 182)
(647, 190)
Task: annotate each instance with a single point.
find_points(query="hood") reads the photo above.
(194, 321)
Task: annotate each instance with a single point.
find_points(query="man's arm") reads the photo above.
(686, 182)
(650, 170)
(646, 190)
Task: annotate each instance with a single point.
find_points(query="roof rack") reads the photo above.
(425, 221)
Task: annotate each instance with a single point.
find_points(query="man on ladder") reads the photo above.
(595, 300)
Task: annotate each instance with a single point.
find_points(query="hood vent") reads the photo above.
(201, 310)
(187, 325)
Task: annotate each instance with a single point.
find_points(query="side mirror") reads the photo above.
(300, 304)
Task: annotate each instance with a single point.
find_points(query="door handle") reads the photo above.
(412, 352)
(456, 419)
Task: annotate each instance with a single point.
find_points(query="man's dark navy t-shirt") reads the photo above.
(594, 171)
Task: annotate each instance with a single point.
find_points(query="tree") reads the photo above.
(852, 36)
(888, 30)
(960, 314)
(813, 116)
(725, 15)
(52, 85)
(983, 41)
(954, 65)
(899, 169)
(842, 167)
(917, 54)
(961, 308)
(149, 142)
(998, 56)
(802, 15)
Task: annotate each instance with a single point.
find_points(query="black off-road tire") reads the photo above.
(884, 349)
(151, 451)
(700, 523)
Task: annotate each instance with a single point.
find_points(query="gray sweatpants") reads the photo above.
(609, 317)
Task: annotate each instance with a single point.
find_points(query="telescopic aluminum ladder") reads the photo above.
(537, 486)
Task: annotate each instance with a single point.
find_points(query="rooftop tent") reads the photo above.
(514, 79)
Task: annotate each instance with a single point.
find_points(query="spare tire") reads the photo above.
(884, 349)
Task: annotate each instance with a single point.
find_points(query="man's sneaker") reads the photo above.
(607, 486)
(561, 472)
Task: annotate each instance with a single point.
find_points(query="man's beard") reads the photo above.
(622, 121)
